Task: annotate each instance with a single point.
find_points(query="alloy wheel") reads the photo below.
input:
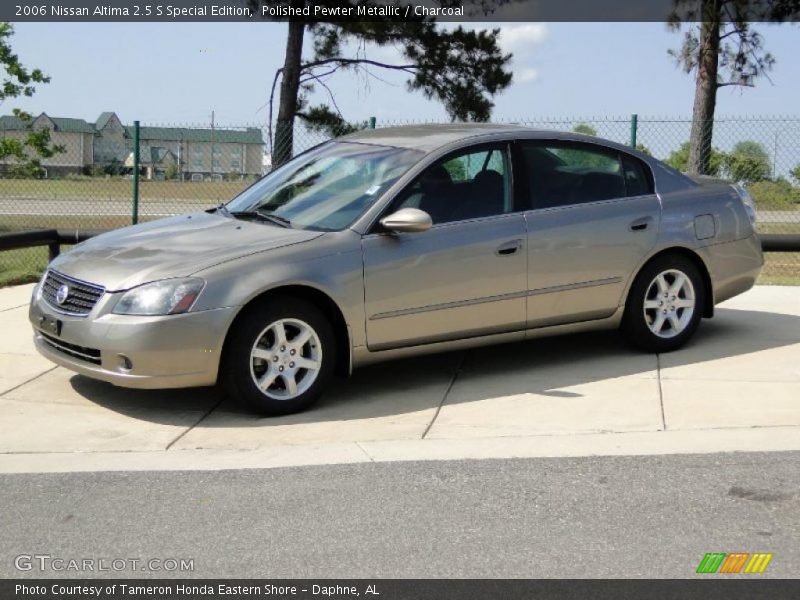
(286, 359)
(669, 303)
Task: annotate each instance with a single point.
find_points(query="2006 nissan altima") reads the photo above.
(394, 242)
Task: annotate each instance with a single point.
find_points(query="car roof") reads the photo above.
(428, 137)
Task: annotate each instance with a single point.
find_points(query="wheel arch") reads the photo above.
(708, 288)
(321, 300)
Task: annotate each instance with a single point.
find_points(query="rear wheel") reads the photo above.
(280, 356)
(665, 304)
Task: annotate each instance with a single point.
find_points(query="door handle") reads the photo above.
(641, 224)
(509, 247)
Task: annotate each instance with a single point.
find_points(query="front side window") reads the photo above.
(329, 187)
(567, 173)
(471, 184)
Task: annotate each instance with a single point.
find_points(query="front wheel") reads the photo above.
(665, 304)
(280, 356)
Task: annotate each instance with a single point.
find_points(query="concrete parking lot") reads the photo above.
(736, 387)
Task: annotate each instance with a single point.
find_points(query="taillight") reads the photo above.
(747, 200)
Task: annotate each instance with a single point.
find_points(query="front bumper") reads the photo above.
(137, 352)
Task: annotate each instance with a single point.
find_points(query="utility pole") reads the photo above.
(775, 154)
(212, 146)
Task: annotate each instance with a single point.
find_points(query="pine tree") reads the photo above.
(462, 69)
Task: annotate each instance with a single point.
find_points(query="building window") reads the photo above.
(197, 158)
(236, 158)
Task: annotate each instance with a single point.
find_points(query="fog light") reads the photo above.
(124, 362)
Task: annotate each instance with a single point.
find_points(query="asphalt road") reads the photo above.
(561, 517)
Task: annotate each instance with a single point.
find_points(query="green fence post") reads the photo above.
(372, 122)
(135, 214)
(634, 127)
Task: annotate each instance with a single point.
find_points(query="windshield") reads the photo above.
(326, 188)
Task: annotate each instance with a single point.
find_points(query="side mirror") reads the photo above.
(407, 220)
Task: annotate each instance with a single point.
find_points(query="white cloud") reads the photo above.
(526, 74)
(522, 39)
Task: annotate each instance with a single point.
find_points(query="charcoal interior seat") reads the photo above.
(436, 186)
(600, 186)
(481, 197)
(490, 192)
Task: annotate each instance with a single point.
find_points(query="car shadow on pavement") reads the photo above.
(544, 366)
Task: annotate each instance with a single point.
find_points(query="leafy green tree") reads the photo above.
(774, 195)
(171, 171)
(462, 69)
(748, 162)
(722, 49)
(795, 173)
(679, 159)
(644, 149)
(585, 129)
(25, 153)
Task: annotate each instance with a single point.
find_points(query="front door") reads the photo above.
(464, 277)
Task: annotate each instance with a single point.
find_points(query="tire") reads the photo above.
(656, 322)
(265, 374)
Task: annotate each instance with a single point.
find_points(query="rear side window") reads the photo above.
(566, 173)
(638, 180)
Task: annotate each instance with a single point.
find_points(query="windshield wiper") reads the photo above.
(261, 214)
(270, 216)
(223, 210)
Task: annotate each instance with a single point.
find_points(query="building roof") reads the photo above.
(103, 120)
(66, 125)
(251, 135)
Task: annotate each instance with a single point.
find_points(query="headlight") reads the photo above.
(168, 297)
(37, 289)
(747, 200)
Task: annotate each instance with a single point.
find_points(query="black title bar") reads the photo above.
(399, 10)
(708, 588)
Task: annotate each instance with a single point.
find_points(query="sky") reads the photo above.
(164, 73)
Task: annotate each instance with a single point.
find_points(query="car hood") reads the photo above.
(172, 247)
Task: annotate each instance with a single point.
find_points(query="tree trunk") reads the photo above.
(283, 146)
(705, 94)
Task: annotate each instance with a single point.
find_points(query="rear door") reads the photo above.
(594, 216)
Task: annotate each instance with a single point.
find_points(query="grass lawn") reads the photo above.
(81, 222)
(22, 266)
(99, 188)
(780, 228)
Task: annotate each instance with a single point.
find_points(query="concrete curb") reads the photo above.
(764, 439)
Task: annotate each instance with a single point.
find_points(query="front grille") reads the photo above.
(91, 355)
(81, 296)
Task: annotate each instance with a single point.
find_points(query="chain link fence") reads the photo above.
(182, 168)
